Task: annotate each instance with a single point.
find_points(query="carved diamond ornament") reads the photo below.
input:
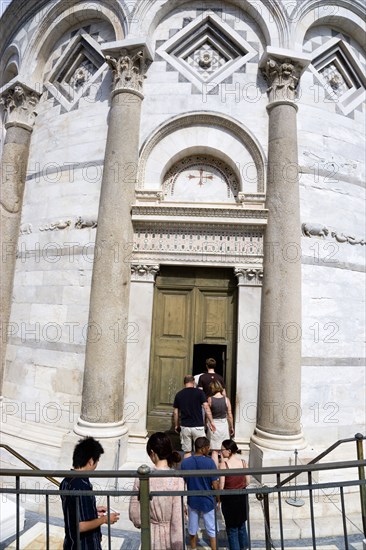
(207, 50)
(76, 70)
(339, 71)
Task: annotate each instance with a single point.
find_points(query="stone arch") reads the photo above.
(272, 22)
(228, 140)
(347, 16)
(9, 67)
(58, 21)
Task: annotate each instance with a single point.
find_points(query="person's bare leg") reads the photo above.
(193, 541)
(215, 457)
(213, 543)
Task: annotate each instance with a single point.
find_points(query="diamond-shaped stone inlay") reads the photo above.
(206, 60)
(80, 64)
(207, 49)
(338, 70)
(335, 79)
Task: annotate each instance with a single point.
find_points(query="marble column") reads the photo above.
(138, 356)
(249, 303)
(279, 387)
(19, 103)
(104, 374)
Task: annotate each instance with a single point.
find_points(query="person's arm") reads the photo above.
(222, 478)
(176, 419)
(97, 522)
(246, 478)
(134, 507)
(230, 416)
(216, 487)
(209, 416)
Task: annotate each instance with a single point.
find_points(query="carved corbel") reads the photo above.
(249, 276)
(144, 273)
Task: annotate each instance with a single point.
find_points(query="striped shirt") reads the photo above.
(90, 540)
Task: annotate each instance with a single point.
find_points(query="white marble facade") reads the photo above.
(204, 108)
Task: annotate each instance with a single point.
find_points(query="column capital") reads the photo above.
(144, 273)
(19, 102)
(249, 276)
(129, 60)
(282, 70)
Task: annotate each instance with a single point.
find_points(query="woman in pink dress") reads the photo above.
(166, 518)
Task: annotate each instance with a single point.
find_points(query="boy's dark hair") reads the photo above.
(84, 450)
(210, 363)
(200, 443)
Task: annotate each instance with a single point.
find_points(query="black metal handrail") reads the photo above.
(144, 473)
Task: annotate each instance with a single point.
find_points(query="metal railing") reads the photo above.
(145, 494)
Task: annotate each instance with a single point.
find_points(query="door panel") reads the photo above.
(191, 306)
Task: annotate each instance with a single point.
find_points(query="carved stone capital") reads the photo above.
(249, 276)
(129, 63)
(282, 69)
(144, 273)
(283, 78)
(19, 102)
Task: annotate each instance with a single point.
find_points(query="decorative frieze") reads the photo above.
(248, 216)
(321, 231)
(82, 223)
(144, 272)
(249, 276)
(19, 102)
(55, 226)
(183, 242)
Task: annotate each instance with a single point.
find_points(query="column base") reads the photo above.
(278, 442)
(100, 430)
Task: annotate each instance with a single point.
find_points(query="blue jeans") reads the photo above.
(237, 537)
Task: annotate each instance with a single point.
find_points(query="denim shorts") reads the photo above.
(208, 519)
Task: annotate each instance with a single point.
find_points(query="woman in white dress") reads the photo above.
(223, 419)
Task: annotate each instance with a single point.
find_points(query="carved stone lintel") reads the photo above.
(19, 103)
(144, 273)
(283, 77)
(249, 276)
(128, 69)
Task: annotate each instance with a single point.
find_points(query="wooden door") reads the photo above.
(191, 306)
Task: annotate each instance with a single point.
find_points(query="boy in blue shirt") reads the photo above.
(198, 505)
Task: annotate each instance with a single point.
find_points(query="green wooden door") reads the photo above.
(191, 306)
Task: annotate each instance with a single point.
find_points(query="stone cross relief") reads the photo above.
(128, 70)
(283, 78)
(202, 177)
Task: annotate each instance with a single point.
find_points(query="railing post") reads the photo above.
(267, 523)
(361, 474)
(143, 472)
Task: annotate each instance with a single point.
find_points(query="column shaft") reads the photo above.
(279, 389)
(19, 103)
(108, 315)
(280, 344)
(105, 361)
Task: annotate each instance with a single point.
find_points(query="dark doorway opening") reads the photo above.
(201, 352)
